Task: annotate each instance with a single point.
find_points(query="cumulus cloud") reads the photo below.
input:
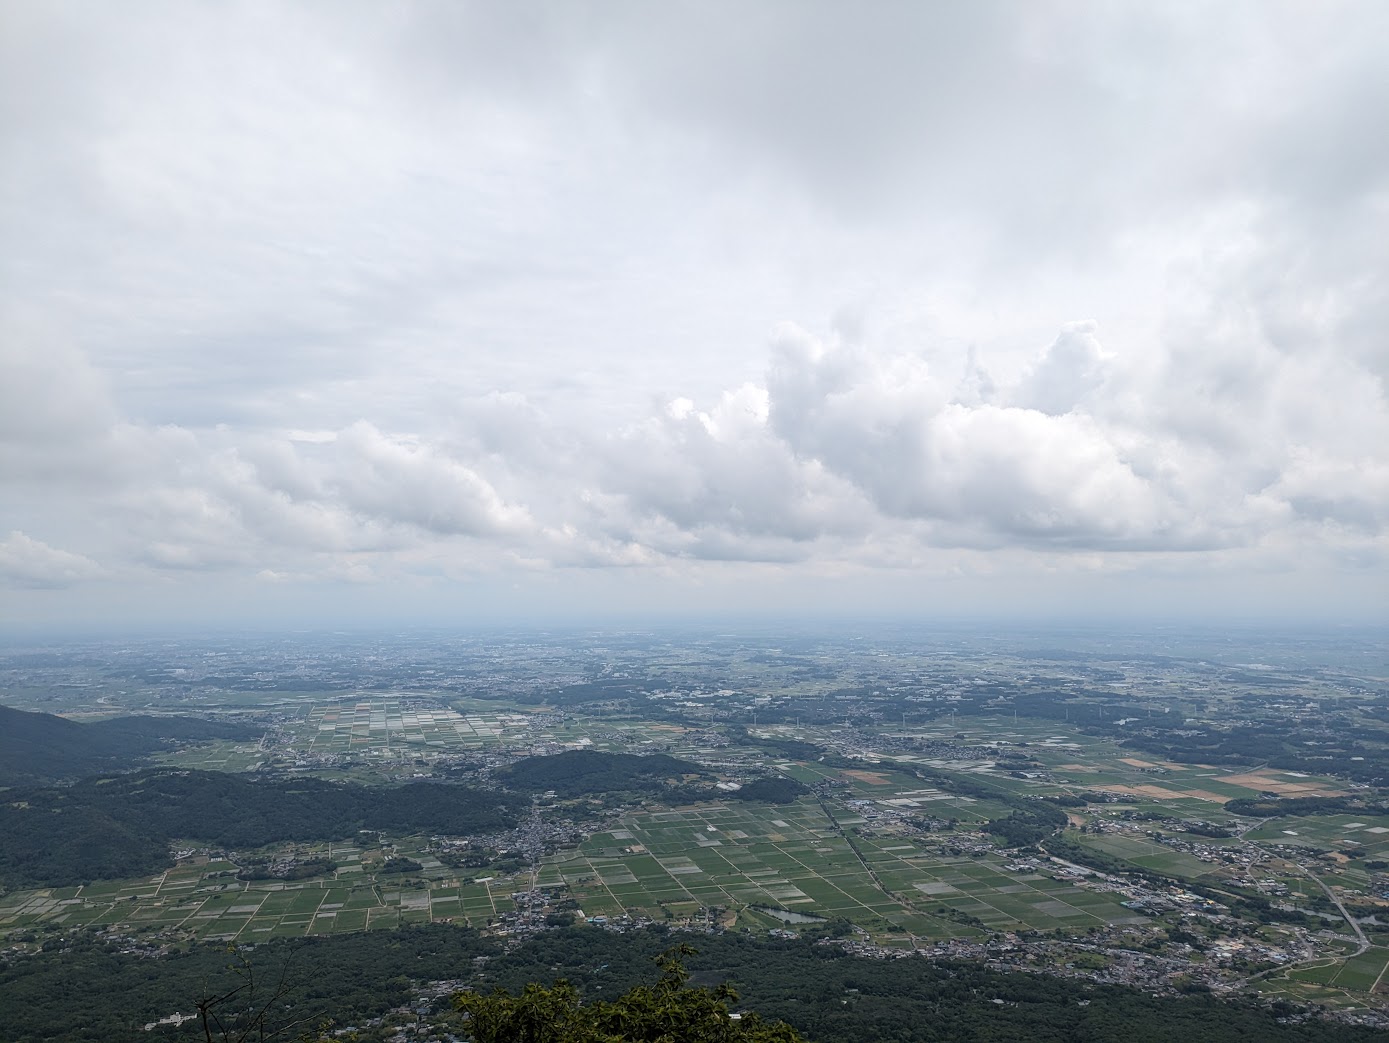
(204, 503)
(725, 472)
(1071, 369)
(839, 452)
(843, 441)
(443, 290)
(985, 473)
(27, 562)
(413, 483)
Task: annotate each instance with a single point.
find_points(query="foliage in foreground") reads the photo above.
(666, 1012)
(827, 994)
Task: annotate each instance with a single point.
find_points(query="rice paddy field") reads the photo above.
(658, 864)
(1076, 761)
(1328, 833)
(347, 727)
(207, 902)
(1362, 973)
(841, 853)
(791, 858)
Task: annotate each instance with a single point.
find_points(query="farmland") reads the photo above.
(752, 863)
(202, 900)
(901, 766)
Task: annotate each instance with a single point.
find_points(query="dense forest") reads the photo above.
(42, 747)
(582, 773)
(1026, 827)
(771, 790)
(590, 773)
(123, 826)
(821, 991)
(1278, 807)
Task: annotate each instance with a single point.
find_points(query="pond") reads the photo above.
(787, 916)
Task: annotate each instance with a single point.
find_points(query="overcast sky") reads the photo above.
(446, 311)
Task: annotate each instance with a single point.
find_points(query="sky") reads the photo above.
(449, 312)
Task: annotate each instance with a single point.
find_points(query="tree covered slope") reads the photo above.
(122, 826)
(41, 747)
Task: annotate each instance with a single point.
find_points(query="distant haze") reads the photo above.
(458, 312)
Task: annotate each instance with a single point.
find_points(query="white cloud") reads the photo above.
(27, 562)
(842, 456)
(414, 483)
(1069, 371)
(987, 474)
(713, 478)
(417, 294)
(54, 405)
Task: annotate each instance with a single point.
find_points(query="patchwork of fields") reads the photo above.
(844, 852)
(207, 902)
(662, 864)
(791, 858)
(384, 724)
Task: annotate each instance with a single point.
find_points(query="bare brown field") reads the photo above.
(1257, 781)
(870, 777)
(1218, 798)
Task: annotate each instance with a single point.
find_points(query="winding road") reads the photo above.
(1362, 941)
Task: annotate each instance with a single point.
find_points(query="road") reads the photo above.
(1340, 907)
(1363, 942)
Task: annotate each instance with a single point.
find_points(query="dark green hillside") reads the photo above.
(584, 773)
(581, 773)
(1278, 807)
(41, 747)
(119, 827)
(775, 790)
(824, 993)
(827, 994)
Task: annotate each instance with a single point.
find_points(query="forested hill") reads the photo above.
(122, 826)
(41, 747)
(589, 773)
(578, 773)
(824, 993)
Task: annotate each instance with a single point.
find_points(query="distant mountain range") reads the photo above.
(41, 747)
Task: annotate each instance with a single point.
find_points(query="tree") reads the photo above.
(670, 1011)
(248, 1012)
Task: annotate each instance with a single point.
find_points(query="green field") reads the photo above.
(667, 864)
(1328, 833)
(791, 857)
(861, 864)
(876, 844)
(207, 902)
(1357, 974)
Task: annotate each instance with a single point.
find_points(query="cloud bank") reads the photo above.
(458, 297)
